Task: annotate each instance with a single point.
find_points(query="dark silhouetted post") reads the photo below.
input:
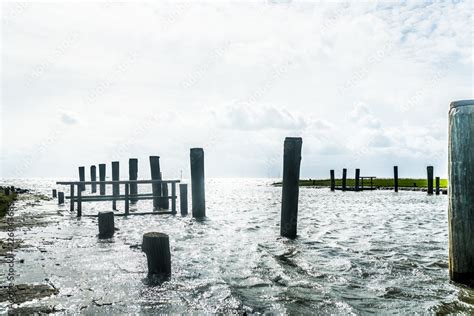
(106, 224)
(93, 178)
(173, 197)
(429, 171)
(344, 179)
(437, 185)
(183, 198)
(395, 178)
(357, 178)
(102, 178)
(133, 175)
(6, 191)
(333, 180)
(290, 187)
(198, 196)
(79, 202)
(54, 193)
(127, 203)
(71, 201)
(60, 197)
(156, 175)
(165, 202)
(461, 192)
(82, 177)
(115, 186)
(156, 246)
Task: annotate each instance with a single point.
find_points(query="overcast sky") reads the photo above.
(365, 84)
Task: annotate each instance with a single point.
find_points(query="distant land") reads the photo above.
(377, 183)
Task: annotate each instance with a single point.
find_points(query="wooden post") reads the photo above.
(127, 203)
(157, 249)
(82, 177)
(102, 178)
(133, 175)
(71, 201)
(333, 180)
(183, 198)
(461, 192)
(395, 178)
(198, 195)
(54, 193)
(165, 201)
(115, 187)
(60, 198)
(290, 186)
(93, 178)
(106, 224)
(6, 191)
(429, 171)
(79, 201)
(357, 178)
(344, 177)
(173, 197)
(156, 175)
(437, 185)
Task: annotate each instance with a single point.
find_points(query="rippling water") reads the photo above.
(356, 253)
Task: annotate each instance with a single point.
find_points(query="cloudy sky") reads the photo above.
(365, 84)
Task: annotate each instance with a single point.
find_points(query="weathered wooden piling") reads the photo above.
(102, 178)
(156, 175)
(106, 224)
(60, 197)
(429, 171)
(54, 193)
(461, 192)
(290, 186)
(173, 198)
(71, 200)
(395, 178)
(333, 180)
(156, 246)
(133, 175)
(183, 198)
(357, 179)
(344, 179)
(127, 199)
(93, 178)
(198, 195)
(115, 177)
(79, 202)
(82, 177)
(165, 202)
(437, 185)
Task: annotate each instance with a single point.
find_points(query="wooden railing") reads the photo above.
(81, 186)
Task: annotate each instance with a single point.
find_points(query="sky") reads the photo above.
(365, 84)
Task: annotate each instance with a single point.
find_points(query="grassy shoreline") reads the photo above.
(377, 183)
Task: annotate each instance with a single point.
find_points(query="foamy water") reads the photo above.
(364, 252)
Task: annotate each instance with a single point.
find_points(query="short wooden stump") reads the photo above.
(157, 249)
(106, 224)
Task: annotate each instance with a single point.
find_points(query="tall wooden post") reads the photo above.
(290, 187)
(93, 178)
(165, 202)
(71, 201)
(54, 193)
(429, 171)
(198, 195)
(82, 177)
(344, 179)
(395, 178)
(115, 186)
(333, 180)
(127, 204)
(461, 192)
(183, 198)
(156, 246)
(156, 175)
(173, 197)
(133, 175)
(102, 178)
(437, 185)
(357, 178)
(79, 202)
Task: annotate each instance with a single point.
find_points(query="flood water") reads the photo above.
(356, 253)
